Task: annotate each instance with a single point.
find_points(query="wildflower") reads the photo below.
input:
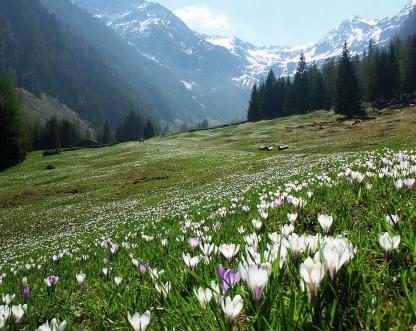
(105, 272)
(296, 244)
(398, 184)
(256, 278)
(154, 274)
(26, 291)
(191, 262)
(51, 281)
(257, 225)
(335, 253)
(53, 326)
(80, 277)
(114, 248)
(230, 279)
(292, 217)
(18, 312)
(8, 298)
(204, 296)
(118, 280)
(388, 243)
(24, 282)
(229, 251)
(164, 289)
(409, 182)
(193, 242)
(312, 273)
(142, 269)
(391, 219)
(325, 221)
(287, 229)
(139, 323)
(232, 308)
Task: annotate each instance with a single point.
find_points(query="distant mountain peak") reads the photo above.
(217, 71)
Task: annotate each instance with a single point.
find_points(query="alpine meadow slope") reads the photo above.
(127, 229)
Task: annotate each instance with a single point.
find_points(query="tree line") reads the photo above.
(17, 138)
(378, 77)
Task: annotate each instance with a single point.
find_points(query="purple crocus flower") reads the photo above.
(220, 271)
(142, 269)
(230, 280)
(26, 291)
(105, 261)
(51, 281)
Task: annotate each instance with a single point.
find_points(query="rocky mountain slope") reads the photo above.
(217, 71)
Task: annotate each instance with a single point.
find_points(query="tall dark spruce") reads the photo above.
(348, 102)
(13, 132)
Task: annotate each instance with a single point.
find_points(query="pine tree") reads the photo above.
(348, 101)
(253, 112)
(13, 132)
(269, 97)
(301, 88)
(148, 131)
(131, 129)
(317, 93)
(329, 77)
(409, 81)
(50, 137)
(106, 134)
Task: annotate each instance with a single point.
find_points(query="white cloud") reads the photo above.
(201, 16)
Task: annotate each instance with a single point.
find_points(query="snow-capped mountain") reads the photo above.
(219, 71)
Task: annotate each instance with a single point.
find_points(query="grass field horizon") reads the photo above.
(135, 193)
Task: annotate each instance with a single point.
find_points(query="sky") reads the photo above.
(276, 22)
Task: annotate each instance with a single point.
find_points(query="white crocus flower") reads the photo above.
(191, 262)
(80, 278)
(118, 280)
(287, 229)
(292, 217)
(257, 225)
(296, 244)
(312, 273)
(139, 323)
(388, 243)
(204, 296)
(335, 253)
(8, 298)
(53, 326)
(256, 278)
(325, 221)
(18, 312)
(232, 307)
(229, 250)
(391, 219)
(164, 289)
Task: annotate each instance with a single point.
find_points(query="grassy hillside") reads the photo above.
(123, 193)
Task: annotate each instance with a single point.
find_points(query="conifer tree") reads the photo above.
(348, 101)
(269, 97)
(409, 69)
(105, 136)
(148, 131)
(300, 85)
(51, 137)
(253, 112)
(13, 132)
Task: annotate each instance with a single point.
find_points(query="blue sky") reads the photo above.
(276, 22)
